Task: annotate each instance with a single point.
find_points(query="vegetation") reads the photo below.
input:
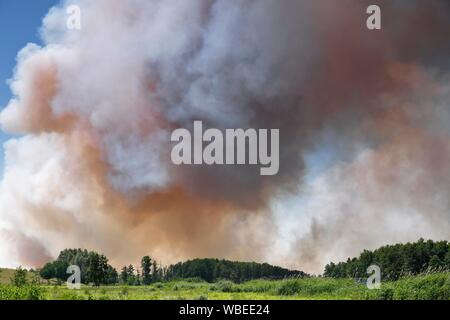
(7, 276)
(94, 267)
(146, 264)
(411, 271)
(96, 270)
(24, 285)
(435, 286)
(27, 292)
(19, 278)
(396, 261)
(212, 270)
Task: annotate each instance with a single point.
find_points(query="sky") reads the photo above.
(19, 24)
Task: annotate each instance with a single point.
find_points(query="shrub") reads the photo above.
(423, 287)
(19, 278)
(289, 288)
(194, 279)
(184, 286)
(124, 291)
(259, 286)
(223, 286)
(28, 292)
(70, 295)
(386, 294)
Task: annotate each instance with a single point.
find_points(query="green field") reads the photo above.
(431, 286)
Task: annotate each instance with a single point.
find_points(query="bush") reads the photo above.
(28, 292)
(423, 287)
(289, 288)
(386, 294)
(259, 286)
(69, 295)
(223, 286)
(195, 279)
(184, 286)
(124, 291)
(19, 278)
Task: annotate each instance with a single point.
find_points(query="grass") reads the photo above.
(424, 287)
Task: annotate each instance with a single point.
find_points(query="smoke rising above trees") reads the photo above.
(93, 110)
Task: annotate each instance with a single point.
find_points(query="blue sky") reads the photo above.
(19, 24)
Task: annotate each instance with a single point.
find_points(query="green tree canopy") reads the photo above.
(396, 260)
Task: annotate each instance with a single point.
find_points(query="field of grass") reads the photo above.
(432, 286)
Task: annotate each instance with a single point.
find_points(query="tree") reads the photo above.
(60, 268)
(47, 272)
(396, 260)
(435, 263)
(137, 281)
(447, 261)
(97, 268)
(155, 273)
(54, 270)
(124, 275)
(19, 278)
(111, 275)
(146, 266)
(131, 277)
(213, 269)
(94, 267)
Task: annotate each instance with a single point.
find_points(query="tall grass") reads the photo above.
(431, 286)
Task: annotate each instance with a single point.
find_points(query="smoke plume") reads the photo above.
(93, 111)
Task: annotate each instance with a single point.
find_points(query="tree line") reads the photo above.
(212, 270)
(95, 269)
(149, 272)
(396, 260)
